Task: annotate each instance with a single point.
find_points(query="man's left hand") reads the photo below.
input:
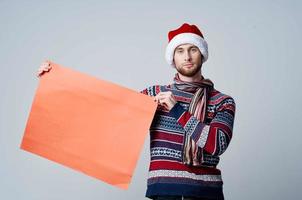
(165, 99)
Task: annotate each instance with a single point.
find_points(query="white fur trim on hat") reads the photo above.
(184, 38)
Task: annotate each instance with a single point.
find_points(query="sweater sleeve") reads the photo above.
(151, 90)
(144, 91)
(215, 137)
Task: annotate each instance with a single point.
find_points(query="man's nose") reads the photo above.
(187, 56)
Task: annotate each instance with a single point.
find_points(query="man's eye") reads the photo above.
(179, 51)
(193, 49)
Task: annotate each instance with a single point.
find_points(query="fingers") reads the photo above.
(164, 95)
(44, 67)
(41, 71)
(168, 93)
(165, 99)
(45, 64)
(160, 102)
(166, 103)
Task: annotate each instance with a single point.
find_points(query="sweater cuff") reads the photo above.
(177, 111)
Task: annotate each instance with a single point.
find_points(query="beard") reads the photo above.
(189, 72)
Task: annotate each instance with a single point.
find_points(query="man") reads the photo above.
(192, 126)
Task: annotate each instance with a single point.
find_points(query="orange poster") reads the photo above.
(88, 124)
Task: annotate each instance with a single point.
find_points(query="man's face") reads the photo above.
(187, 59)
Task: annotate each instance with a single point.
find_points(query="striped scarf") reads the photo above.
(192, 154)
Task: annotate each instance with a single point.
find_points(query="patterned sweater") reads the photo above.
(167, 174)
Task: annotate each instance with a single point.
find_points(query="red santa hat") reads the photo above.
(186, 34)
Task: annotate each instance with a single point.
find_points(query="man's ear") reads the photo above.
(202, 59)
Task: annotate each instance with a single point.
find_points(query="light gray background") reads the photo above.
(254, 56)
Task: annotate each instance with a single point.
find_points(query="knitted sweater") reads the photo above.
(167, 174)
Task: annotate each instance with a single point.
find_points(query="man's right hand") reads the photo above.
(44, 67)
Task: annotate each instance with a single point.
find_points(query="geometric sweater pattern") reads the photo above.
(167, 175)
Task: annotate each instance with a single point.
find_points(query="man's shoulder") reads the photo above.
(218, 97)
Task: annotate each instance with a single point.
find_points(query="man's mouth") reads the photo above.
(188, 65)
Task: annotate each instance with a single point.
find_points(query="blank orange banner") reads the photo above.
(88, 124)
